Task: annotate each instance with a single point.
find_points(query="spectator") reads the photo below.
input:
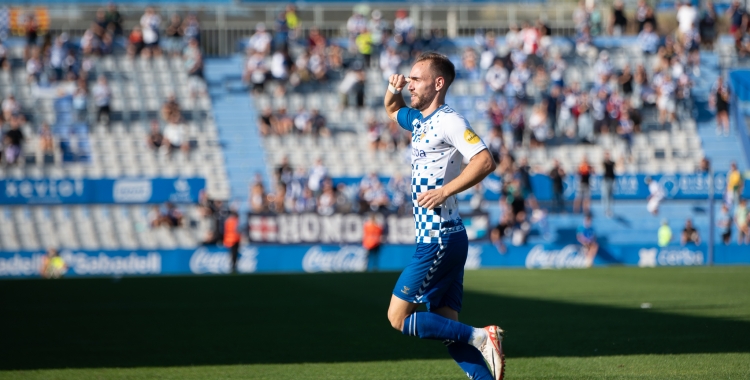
(618, 21)
(517, 125)
(175, 136)
(664, 234)
(495, 143)
(582, 201)
(114, 19)
(267, 122)
(587, 238)
(171, 108)
(353, 85)
(135, 42)
(191, 28)
(174, 35)
(656, 194)
(725, 223)
(155, 138)
(46, 145)
(257, 199)
(260, 41)
(371, 241)
(316, 124)
(538, 126)
(608, 184)
(194, 65)
(720, 96)
(364, 46)
(102, 96)
(390, 61)
(641, 12)
(150, 24)
(306, 202)
(327, 199)
(557, 177)
(317, 174)
(648, 39)
(316, 42)
(687, 17)
(378, 29)
(742, 222)
(500, 232)
(690, 234)
(53, 266)
(735, 184)
(56, 59)
(232, 238)
(497, 76)
(80, 102)
(10, 107)
(736, 14)
(31, 29)
(34, 66)
(284, 122)
(403, 24)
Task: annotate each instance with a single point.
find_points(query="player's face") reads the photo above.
(422, 85)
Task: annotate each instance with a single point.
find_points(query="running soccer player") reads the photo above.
(441, 138)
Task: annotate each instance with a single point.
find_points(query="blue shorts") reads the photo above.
(435, 275)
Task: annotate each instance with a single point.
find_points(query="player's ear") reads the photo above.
(439, 83)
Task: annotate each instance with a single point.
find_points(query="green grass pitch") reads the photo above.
(560, 324)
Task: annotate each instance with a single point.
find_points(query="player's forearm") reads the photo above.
(393, 102)
(480, 166)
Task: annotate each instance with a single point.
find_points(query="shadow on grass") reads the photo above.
(179, 321)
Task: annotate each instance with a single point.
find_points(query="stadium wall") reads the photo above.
(351, 258)
(739, 81)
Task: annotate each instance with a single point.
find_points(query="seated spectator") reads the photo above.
(12, 141)
(587, 238)
(390, 61)
(172, 217)
(317, 124)
(267, 122)
(316, 175)
(102, 96)
(260, 41)
(174, 35)
(538, 126)
(353, 85)
(175, 136)
(34, 66)
(150, 24)
(46, 145)
(4, 62)
(496, 113)
(327, 199)
(285, 123)
(725, 223)
(656, 194)
(53, 266)
(114, 19)
(690, 234)
(374, 134)
(315, 41)
(648, 40)
(10, 107)
(258, 199)
(191, 28)
(155, 138)
(306, 202)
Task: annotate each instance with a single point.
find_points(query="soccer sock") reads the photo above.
(433, 326)
(470, 360)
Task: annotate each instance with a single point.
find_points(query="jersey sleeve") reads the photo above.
(458, 133)
(406, 117)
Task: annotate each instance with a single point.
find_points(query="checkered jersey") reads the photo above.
(439, 144)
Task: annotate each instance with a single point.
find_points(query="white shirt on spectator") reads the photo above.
(316, 176)
(102, 95)
(260, 42)
(497, 77)
(150, 27)
(686, 16)
(175, 133)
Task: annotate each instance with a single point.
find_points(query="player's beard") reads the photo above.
(419, 102)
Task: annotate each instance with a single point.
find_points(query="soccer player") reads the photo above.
(441, 139)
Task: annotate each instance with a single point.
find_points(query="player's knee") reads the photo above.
(397, 321)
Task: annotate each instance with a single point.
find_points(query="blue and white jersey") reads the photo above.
(439, 144)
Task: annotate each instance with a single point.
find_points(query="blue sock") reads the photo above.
(433, 326)
(470, 360)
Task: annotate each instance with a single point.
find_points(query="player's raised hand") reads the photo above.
(398, 81)
(431, 198)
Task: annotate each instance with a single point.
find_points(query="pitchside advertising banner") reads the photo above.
(311, 228)
(350, 258)
(88, 191)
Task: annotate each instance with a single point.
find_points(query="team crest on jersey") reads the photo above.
(470, 136)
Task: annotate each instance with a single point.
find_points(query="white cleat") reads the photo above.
(492, 350)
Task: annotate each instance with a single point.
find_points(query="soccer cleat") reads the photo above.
(492, 350)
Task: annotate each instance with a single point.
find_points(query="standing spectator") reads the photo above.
(191, 28)
(10, 107)
(31, 28)
(135, 42)
(735, 184)
(648, 39)
(736, 14)
(587, 238)
(315, 177)
(53, 266)
(194, 65)
(608, 184)
(371, 241)
(150, 23)
(327, 199)
(56, 57)
(256, 72)
(175, 136)
(114, 19)
(257, 198)
(641, 13)
(742, 222)
(517, 125)
(582, 200)
(232, 237)
(102, 96)
(46, 145)
(538, 126)
(353, 84)
(377, 27)
(725, 222)
(34, 66)
(403, 24)
(497, 76)
(260, 41)
(557, 177)
(707, 25)
(390, 60)
(618, 21)
(719, 99)
(656, 194)
(690, 234)
(687, 16)
(665, 234)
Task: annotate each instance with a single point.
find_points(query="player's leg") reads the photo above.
(468, 357)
